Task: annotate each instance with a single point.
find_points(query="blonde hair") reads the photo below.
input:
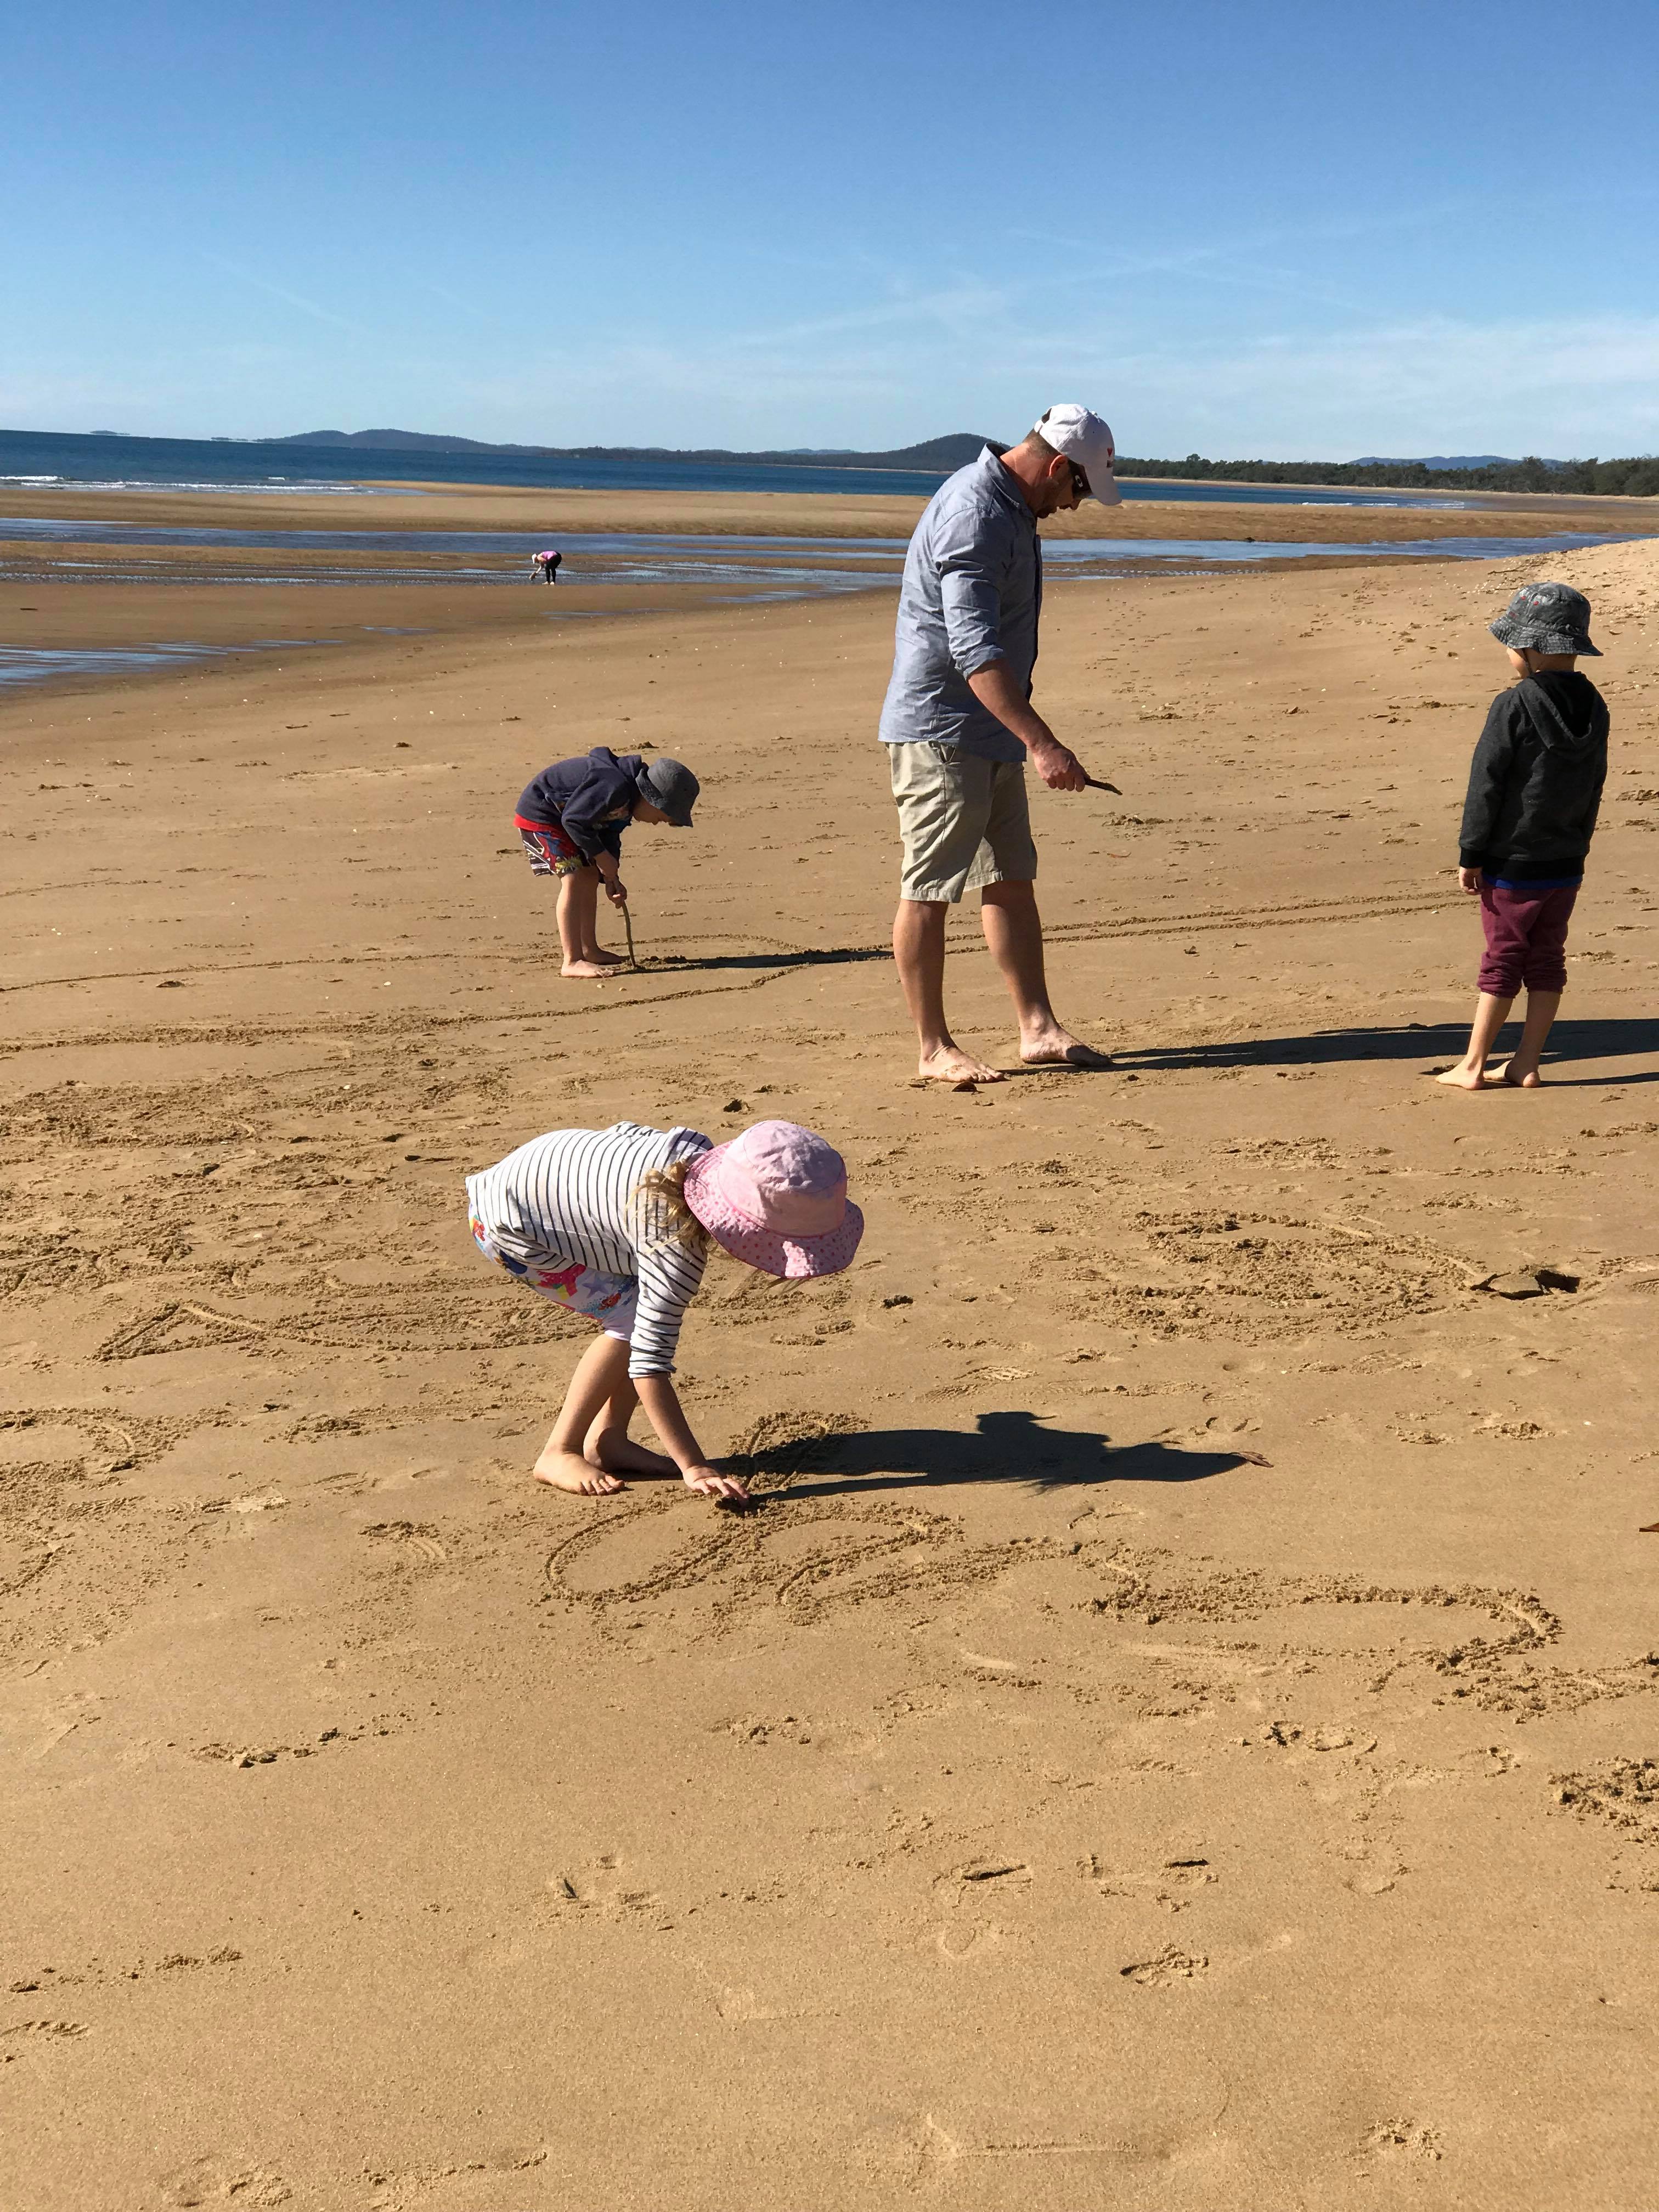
(669, 1220)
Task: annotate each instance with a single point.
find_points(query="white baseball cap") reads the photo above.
(1085, 439)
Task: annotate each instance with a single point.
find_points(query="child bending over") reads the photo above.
(570, 821)
(616, 1223)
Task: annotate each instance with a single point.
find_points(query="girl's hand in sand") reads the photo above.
(709, 1482)
(1469, 879)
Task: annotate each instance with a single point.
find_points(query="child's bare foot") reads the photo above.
(1463, 1076)
(1527, 1079)
(584, 971)
(565, 1470)
(604, 959)
(617, 1454)
(949, 1063)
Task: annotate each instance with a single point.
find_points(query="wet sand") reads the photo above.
(548, 515)
(1173, 1731)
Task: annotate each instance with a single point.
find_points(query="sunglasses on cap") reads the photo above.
(1080, 480)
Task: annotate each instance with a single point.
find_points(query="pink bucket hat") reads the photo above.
(776, 1196)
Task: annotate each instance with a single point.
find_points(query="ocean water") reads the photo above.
(88, 462)
(20, 665)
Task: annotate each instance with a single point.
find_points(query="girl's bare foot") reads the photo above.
(617, 1453)
(1463, 1078)
(584, 971)
(604, 959)
(1527, 1079)
(949, 1063)
(565, 1470)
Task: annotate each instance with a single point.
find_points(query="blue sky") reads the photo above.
(1284, 230)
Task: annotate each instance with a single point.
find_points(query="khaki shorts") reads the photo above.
(964, 820)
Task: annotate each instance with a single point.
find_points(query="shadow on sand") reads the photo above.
(1571, 1042)
(1009, 1447)
(675, 963)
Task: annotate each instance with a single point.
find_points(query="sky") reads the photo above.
(1312, 229)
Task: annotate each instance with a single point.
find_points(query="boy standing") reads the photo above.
(570, 821)
(1534, 786)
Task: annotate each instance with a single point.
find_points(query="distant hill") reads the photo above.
(401, 441)
(938, 453)
(1445, 461)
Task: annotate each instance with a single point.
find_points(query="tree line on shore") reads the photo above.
(1635, 478)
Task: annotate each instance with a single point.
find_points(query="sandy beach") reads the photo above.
(1177, 1728)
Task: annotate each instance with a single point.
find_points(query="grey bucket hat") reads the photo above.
(1545, 619)
(671, 786)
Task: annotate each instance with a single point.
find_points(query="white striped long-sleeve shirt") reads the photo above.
(570, 1195)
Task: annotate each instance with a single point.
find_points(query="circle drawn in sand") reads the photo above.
(1253, 1276)
(806, 1556)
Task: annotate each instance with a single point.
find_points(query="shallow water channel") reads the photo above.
(749, 568)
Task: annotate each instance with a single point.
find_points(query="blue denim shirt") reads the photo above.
(972, 593)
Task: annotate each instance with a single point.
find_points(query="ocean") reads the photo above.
(93, 461)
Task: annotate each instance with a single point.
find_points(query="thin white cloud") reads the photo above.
(280, 292)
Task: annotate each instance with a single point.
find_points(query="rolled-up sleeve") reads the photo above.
(669, 1279)
(669, 1275)
(972, 566)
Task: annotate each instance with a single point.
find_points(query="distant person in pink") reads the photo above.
(545, 567)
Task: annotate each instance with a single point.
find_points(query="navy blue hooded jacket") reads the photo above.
(591, 800)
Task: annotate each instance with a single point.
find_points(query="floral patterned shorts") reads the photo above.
(547, 849)
(611, 1300)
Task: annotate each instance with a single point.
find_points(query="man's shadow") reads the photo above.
(1008, 1447)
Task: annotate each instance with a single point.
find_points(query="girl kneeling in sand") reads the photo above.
(616, 1223)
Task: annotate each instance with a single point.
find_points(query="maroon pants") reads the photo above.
(1526, 937)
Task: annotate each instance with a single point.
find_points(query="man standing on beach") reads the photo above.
(958, 726)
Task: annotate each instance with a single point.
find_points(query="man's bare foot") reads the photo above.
(1462, 1077)
(565, 1470)
(584, 971)
(1058, 1048)
(617, 1454)
(949, 1063)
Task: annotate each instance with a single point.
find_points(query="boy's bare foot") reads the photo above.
(1462, 1077)
(616, 1454)
(949, 1063)
(584, 971)
(565, 1470)
(605, 959)
(1527, 1079)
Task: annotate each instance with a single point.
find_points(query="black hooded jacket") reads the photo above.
(1535, 781)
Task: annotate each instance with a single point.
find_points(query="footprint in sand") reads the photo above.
(208, 2181)
(1165, 1969)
